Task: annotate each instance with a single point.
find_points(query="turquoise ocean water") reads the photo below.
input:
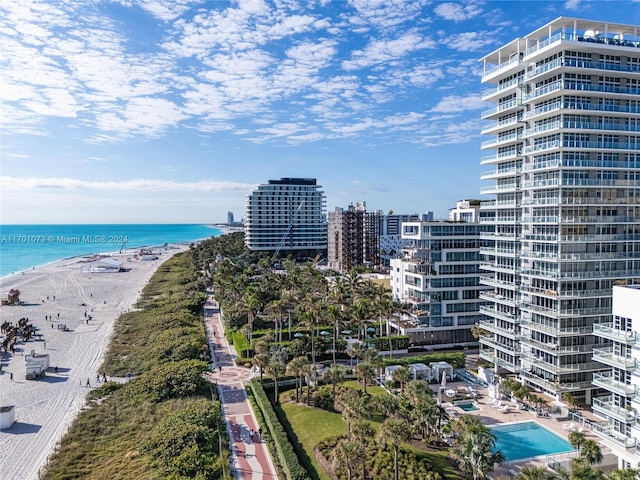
(25, 246)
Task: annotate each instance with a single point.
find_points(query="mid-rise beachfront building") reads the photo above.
(353, 238)
(563, 159)
(287, 216)
(620, 407)
(438, 275)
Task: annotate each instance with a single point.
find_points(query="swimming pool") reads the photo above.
(467, 406)
(522, 440)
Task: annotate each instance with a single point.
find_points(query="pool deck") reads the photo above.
(490, 415)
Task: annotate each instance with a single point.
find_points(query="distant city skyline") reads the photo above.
(172, 112)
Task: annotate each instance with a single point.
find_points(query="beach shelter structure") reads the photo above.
(420, 371)
(103, 265)
(7, 417)
(388, 372)
(438, 368)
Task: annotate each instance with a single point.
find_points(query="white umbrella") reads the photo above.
(444, 378)
(439, 397)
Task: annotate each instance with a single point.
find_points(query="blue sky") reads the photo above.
(171, 111)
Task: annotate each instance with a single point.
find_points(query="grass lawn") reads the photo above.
(313, 425)
(371, 389)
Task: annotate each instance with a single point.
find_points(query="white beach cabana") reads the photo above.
(7, 417)
(420, 371)
(103, 265)
(388, 372)
(438, 368)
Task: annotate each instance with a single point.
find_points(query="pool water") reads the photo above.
(467, 407)
(522, 440)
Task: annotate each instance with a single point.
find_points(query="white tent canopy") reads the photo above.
(388, 371)
(420, 371)
(438, 368)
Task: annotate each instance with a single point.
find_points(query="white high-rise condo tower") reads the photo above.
(287, 215)
(564, 137)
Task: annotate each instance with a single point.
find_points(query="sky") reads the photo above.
(172, 111)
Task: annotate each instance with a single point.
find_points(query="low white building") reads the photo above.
(620, 407)
(7, 417)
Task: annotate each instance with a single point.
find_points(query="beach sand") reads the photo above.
(46, 407)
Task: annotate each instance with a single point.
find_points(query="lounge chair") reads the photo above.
(504, 409)
(569, 426)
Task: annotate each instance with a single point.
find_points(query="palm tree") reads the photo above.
(591, 452)
(365, 372)
(296, 368)
(394, 431)
(346, 454)
(402, 375)
(626, 474)
(387, 404)
(334, 312)
(576, 439)
(335, 375)
(532, 472)
(249, 305)
(276, 369)
(350, 405)
(362, 431)
(473, 448)
(261, 361)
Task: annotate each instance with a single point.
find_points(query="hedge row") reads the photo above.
(381, 344)
(288, 458)
(455, 359)
(241, 344)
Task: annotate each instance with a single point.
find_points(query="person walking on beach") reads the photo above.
(88, 384)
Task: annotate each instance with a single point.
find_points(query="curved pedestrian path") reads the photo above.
(250, 457)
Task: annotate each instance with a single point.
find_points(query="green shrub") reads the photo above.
(182, 445)
(323, 398)
(287, 455)
(241, 344)
(170, 380)
(455, 359)
(381, 344)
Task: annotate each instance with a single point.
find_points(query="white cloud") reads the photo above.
(457, 104)
(381, 51)
(572, 5)
(457, 12)
(471, 41)
(139, 184)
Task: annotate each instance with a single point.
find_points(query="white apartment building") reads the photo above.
(439, 277)
(563, 159)
(286, 215)
(620, 407)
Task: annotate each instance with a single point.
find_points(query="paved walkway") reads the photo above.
(250, 458)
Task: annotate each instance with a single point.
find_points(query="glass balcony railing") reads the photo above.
(607, 381)
(606, 432)
(608, 356)
(607, 330)
(607, 407)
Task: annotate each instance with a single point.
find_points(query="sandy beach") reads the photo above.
(62, 292)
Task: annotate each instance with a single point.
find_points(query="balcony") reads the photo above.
(491, 357)
(490, 326)
(494, 297)
(607, 433)
(500, 346)
(500, 108)
(608, 382)
(606, 407)
(552, 385)
(560, 369)
(609, 357)
(493, 313)
(503, 172)
(571, 105)
(501, 139)
(606, 330)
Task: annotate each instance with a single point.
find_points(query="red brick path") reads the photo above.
(250, 458)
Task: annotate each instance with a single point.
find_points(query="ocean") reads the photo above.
(23, 247)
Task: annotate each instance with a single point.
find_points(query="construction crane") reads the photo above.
(287, 232)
